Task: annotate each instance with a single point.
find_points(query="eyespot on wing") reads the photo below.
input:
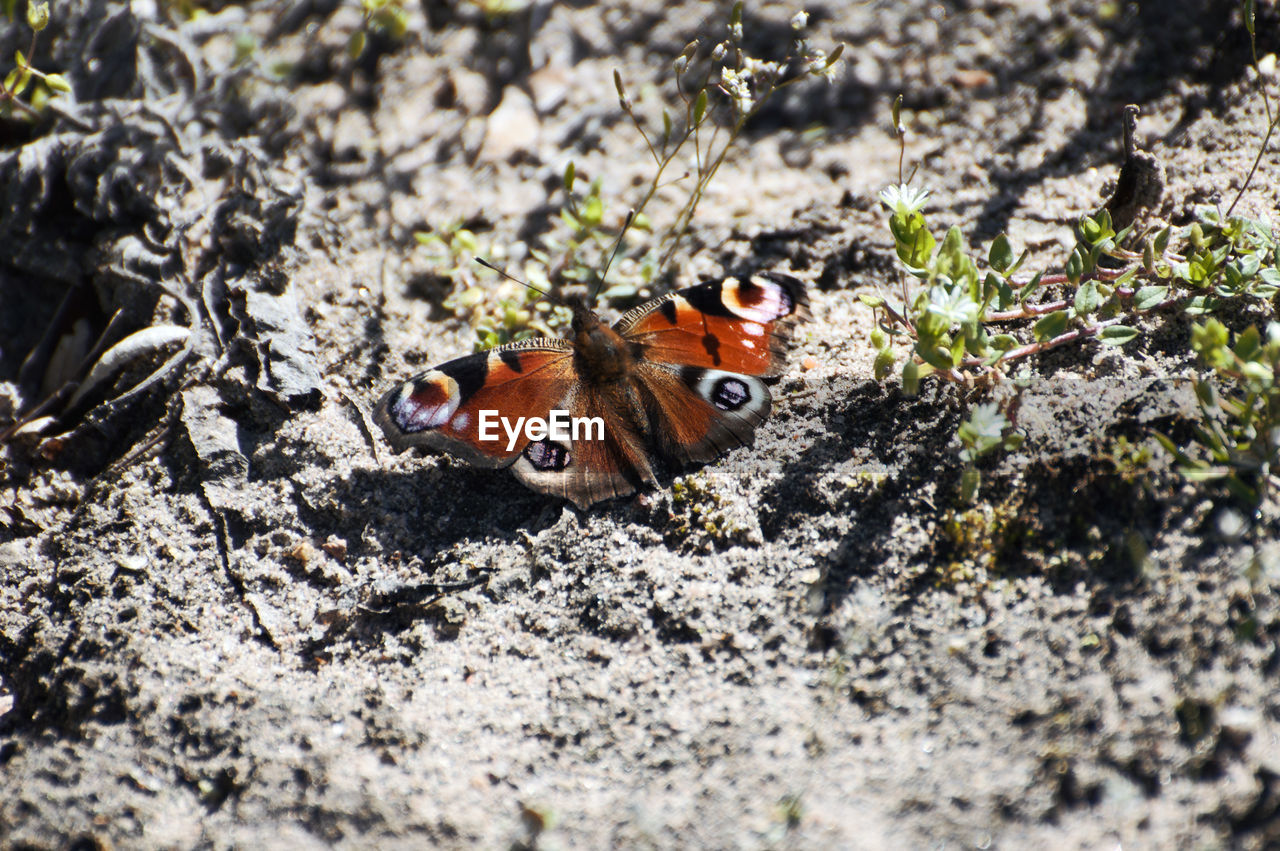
(423, 403)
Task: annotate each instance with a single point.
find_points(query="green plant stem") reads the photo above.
(704, 177)
(1271, 122)
(6, 95)
(1044, 346)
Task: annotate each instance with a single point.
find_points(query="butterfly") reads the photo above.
(677, 379)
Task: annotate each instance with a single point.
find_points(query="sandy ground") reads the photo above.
(209, 635)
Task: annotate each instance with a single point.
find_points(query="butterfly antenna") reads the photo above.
(510, 277)
(631, 214)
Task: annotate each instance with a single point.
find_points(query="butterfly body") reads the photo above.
(677, 378)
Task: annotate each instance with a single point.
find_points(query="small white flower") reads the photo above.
(799, 20)
(738, 88)
(758, 69)
(952, 303)
(903, 199)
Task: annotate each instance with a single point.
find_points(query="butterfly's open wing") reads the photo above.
(445, 408)
(697, 414)
(442, 408)
(731, 325)
(701, 353)
(603, 457)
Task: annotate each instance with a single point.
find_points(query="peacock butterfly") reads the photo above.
(678, 377)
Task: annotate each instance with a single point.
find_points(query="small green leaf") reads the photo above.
(1161, 241)
(465, 242)
(1172, 448)
(1050, 325)
(1257, 374)
(991, 287)
(937, 356)
(910, 378)
(570, 174)
(1005, 293)
(883, 363)
(1125, 281)
(1201, 305)
(699, 107)
(24, 79)
(593, 212)
(1207, 396)
(1031, 287)
(1075, 267)
(931, 326)
(39, 97)
(1250, 264)
(1248, 343)
(1087, 298)
(1148, 297)
(871, 300)
(954, 262)
(1090, 230)
(1103, 219)
(1004, 342)
(914, 242)
(1000, 257)
(1017, 264)
(1117, 335)
(57, 82)
(970, 482)
(1209, 336)
(355, 44)
(1233, 281)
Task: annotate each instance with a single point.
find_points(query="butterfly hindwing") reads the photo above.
(442, 407)
(698, 414)
(734, 325)
(605, 458)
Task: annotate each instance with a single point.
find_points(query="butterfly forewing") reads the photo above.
(740, 326)
(442, 408)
